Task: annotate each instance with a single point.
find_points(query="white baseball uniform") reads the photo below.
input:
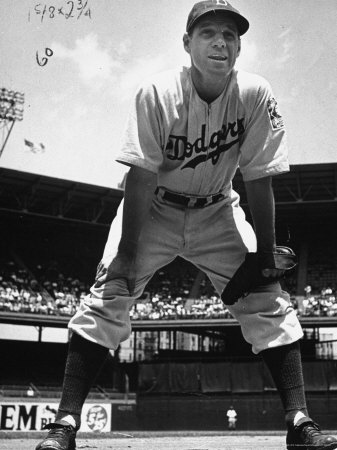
(232, 418)
(195, 149)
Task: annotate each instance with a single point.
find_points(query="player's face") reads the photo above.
(214, 45)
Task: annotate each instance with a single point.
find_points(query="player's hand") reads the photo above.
(121, 267)
(258, 271)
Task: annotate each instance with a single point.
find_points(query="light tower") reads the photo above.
(11, 110)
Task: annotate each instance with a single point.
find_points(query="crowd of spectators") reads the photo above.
(157, 308)
(324, 304)
(48, 291)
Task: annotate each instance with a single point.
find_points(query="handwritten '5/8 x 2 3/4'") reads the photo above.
(67, 9)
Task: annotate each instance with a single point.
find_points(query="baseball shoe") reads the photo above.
(307, 435)
(60, 437)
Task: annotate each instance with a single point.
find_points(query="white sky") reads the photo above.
(76, 104)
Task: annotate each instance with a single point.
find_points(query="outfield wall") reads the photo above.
(255, 412)
(97, 416)
(165, 413)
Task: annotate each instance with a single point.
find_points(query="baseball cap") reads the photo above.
(206, 6)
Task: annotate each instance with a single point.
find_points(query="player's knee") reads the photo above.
(110, 289)
(272, 302)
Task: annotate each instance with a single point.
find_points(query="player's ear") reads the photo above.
(186, 41)
(239, 47)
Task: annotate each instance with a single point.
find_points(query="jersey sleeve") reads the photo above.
(142, 142)
(263, 149)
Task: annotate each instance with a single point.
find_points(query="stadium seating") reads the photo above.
(167, 295)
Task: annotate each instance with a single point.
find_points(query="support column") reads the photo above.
(39, 331)
(134, 346)
(174, 340)
(302, 267)
(158, 341)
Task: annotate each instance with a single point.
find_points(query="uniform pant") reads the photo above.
(215, 239)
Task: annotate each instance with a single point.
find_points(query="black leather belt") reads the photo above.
(189, 201)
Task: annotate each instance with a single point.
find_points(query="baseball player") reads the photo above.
(188, 131)
(232, 418)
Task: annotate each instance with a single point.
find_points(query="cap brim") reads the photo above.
(241, 22)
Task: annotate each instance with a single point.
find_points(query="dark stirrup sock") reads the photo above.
(84, 361)
(285, 366)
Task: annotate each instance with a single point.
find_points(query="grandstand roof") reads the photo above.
(28, 193)
(308, 189)
(307, 183)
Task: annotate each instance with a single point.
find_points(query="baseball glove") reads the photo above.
(249, 277)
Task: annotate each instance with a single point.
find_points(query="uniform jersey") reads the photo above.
(196, 147)
(231, 414)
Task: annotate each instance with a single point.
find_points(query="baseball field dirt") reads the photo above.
(158, 441)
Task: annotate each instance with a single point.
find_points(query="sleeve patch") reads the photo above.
(275, 117)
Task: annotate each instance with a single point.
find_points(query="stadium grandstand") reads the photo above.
(186, 350)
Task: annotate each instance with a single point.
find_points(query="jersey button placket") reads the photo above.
(202, 178)
(207, 138)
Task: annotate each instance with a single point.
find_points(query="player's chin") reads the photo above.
(219, 66)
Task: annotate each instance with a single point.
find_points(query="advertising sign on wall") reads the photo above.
(30, 416)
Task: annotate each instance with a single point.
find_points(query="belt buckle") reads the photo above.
(160, 193)
(209, 200)
(191, 202)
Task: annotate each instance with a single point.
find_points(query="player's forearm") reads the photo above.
(262, 207)
(139, 188)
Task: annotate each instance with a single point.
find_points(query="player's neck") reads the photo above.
(209, 88)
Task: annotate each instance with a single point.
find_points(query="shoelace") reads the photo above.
(57, 430)
(311, 430)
